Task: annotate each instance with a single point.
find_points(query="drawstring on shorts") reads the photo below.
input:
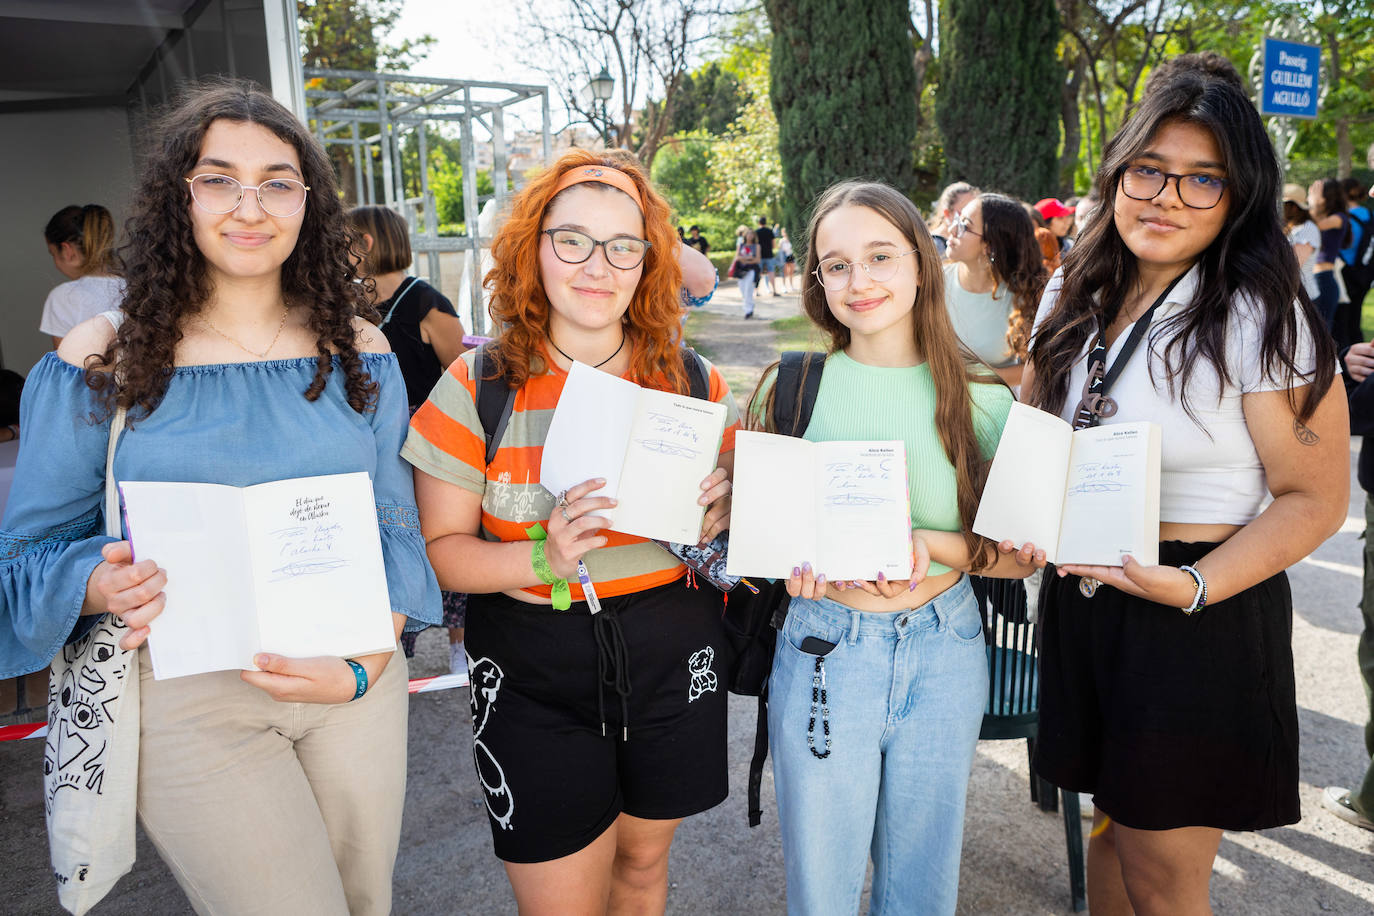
(613, 667)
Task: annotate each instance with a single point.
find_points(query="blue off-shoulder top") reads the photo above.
(234, 423)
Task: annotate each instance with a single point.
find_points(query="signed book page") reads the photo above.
(292, 567)
(1086, 497)
(840, 506)
(653, 447)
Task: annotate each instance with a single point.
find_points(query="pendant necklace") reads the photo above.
(600, 364)
(238, 343)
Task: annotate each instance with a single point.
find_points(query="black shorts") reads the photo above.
(558, 754)
(1171, 720)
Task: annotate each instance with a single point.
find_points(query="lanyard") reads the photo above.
(397, 301)
(1095, 404)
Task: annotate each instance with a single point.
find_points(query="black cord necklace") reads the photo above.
(600, 364)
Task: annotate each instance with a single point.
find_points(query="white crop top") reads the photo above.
(1211, 473)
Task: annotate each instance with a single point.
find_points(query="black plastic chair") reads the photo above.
(1013, 709)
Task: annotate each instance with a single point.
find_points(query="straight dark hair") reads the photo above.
(1250, 257)
(390, 239)
(1009, 234)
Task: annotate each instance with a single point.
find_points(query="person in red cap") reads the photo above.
(1059, 216)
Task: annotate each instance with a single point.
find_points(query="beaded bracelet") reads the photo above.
(359, 678)
(1199, 599)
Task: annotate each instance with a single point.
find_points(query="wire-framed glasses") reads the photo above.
(835, 273)
(1199, 191)
(962, 225)
(624, 252)
(222, 194)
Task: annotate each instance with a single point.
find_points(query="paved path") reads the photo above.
(1014, 859)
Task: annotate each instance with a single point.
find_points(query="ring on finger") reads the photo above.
(566, 516)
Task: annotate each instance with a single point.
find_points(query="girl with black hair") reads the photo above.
(240, 358)
(1326, 203)
(993, 279)
(1168, 690)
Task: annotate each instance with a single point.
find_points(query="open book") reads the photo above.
(653, 447)
(292, 567)
(840, 506)
(1085, 497)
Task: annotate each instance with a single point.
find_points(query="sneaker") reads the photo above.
(457, 658)
(748, 315)
(1337, 800)
(1085, 805)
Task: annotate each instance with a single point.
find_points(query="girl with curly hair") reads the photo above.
(241, 357)
(994, 276)
(595, 735)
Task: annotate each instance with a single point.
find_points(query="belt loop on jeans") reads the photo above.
(853, 627)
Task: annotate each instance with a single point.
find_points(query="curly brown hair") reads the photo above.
(165, 271)
(520, 305)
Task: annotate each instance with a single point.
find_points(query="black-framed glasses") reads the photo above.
(835, 273)
(221, 194)
(624, 252)
(962, 225)
(1199, 191)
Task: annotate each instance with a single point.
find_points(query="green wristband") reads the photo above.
(562, 595)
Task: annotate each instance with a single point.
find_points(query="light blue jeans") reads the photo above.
(905, 693)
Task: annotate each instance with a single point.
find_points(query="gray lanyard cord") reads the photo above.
(397, 301)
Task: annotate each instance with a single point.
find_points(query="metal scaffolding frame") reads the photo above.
(374, 114)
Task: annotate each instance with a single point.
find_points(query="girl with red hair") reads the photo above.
(595, 734)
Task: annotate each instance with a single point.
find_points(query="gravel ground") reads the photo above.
(1014, 858)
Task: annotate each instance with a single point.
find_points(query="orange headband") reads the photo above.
(604, 174)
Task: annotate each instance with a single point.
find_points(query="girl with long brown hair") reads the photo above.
(878, 688)
(1167, 691)
(595, 733)
(240, 358)
(994, 275)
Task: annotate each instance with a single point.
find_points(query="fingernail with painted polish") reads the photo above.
(806, 567)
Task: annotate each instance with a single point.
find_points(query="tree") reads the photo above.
(708, 99)
(351, 35)
(646, 45)
(843, 89)
(998, 106)
(745, 164)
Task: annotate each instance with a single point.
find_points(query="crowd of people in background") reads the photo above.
(1213, 298)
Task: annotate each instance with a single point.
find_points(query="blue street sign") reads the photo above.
(1292, 72)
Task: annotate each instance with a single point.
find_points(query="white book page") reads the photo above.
(589, 433)
(1023, 499)
(195, 531)
(317, 558)
(773, 512)
(674, 441)
(1106, 501)
(862, 514)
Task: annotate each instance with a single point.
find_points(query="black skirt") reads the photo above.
(1171, 720)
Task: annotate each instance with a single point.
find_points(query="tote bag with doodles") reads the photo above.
(90, 761)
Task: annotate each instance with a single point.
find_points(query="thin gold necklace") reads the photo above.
(238, 343)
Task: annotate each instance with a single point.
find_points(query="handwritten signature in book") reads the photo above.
(308, 549)
(673, 428)
(850, 475)
(853, 500)
(664, 447)
(1099, 477)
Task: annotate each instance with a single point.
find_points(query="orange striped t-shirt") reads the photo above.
(446, 441)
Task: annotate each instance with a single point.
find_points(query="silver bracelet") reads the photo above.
(1199, 599)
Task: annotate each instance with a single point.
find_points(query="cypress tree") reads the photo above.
(998, 105)
(844, 92)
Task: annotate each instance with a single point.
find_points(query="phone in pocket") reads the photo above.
(814, 645)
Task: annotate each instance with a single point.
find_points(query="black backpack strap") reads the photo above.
(756, 762)
(495, 400)
(794, 390)
(698, 379)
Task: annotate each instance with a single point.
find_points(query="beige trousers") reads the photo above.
(265, 807)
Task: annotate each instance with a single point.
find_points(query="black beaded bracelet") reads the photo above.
(360, 677)
(1199, 599)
